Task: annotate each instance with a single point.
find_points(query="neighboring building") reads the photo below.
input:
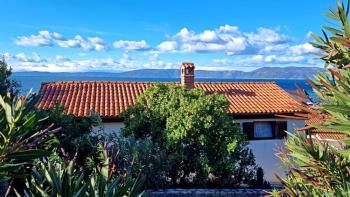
(257, 106)
(323, 135)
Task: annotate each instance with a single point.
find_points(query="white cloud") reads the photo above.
(60, 58)
(228, 28)
(167, 46)
(301, 49)
(230, 40)
(223, 61)
(271, 59)
(131, 45)
(263, 60)
(160, 64)
(24, 62)
(308, 35)
(265, 35)
(274, 48)
(262, 46)
(34, 58)
(190, 36)
(55, 36)
(33, 41)
(88, 44)
(46, 38)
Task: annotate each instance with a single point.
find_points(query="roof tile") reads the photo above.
(111, 98)
(323, 133)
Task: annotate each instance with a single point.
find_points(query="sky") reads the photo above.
(119, 35)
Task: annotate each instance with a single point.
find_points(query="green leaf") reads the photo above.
(28, 154)
(318, 38)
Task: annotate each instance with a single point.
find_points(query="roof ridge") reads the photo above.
(235, 82)
(92, 81)
(117, 81)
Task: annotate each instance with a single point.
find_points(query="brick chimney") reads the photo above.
(187, 75)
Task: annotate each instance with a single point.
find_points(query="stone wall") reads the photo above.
(207, 192)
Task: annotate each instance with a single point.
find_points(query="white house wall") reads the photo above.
(264, 150)
(109, 127)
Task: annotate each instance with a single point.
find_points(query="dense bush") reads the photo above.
(22, 139)
(74, 137)
(316, 168)
(184, 138)
(7, 85)
(59, 177)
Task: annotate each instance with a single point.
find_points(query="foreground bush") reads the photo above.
(7, 85)
(184, 138)
(75, 134)
(21, 138)
(59, 178)
(315, 167)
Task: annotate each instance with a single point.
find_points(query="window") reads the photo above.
(265, 130)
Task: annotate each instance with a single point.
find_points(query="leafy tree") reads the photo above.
(7, 85)
(75, 134)
(315, 167)
(185, 138)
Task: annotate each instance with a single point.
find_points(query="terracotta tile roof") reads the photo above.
(111, 98)
(323, 133)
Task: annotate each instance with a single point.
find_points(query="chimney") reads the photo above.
(187, 75)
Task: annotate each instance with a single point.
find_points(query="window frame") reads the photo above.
(272, 130)
(278, 127)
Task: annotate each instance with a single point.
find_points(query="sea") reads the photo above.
(31, 81)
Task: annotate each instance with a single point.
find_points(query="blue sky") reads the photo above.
(76, 36)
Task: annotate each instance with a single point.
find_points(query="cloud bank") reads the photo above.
(226, 44)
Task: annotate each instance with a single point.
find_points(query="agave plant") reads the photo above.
(61, 179)
(104, 183)
(21, 137)
(55, 178)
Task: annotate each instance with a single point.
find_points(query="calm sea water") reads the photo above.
(33, 80)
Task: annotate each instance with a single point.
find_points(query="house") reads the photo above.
(256, 106)
(330, 137)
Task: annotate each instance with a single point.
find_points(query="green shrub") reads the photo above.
(73, 129)
(22, 139)
(316, 168)
(7, 85)
(184, 138)
(57, 177)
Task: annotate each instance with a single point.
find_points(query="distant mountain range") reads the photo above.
(260, 73)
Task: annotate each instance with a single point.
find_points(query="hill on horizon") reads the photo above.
(260, 73)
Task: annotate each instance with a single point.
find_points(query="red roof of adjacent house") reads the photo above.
(323, 133)
(111, 98)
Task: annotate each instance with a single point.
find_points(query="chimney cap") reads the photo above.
(187, 64)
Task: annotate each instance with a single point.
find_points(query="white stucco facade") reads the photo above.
(109, 127)
(264, 150)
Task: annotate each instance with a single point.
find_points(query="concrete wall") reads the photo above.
(264, 150)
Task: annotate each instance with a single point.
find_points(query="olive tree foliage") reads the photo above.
(317, 168)
(7, 85)
(185, 138)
